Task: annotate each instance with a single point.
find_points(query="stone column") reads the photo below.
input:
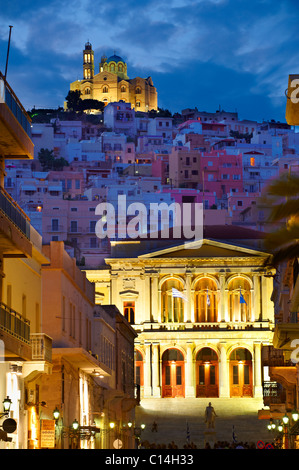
(160, 316)
(147, 389)
(222, 299)
(147, 307)
(190, 385)
(256, 306)
(187, 310)
(156, 371)
(155, 298)
(223, 372)
(115, 299)
(257, 370)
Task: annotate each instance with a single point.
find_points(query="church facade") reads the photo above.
(202, 311)
(112, 84)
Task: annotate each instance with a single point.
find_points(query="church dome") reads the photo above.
(115, 58)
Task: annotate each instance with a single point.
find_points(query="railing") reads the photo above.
(41, 347)
(55, 228)
(273, 393)
(14, 323)
(8, 96)
(14, 213)
(205, 326)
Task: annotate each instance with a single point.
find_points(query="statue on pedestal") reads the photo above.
(210, 416)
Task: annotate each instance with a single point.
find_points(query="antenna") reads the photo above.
(8, 47)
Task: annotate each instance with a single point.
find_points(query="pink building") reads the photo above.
(238, 202)
(73, 221)
(221, 173)
(72, 181)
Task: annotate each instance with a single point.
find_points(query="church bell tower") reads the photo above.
(88, 62)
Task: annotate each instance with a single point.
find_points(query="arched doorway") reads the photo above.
(207, 380)
(241, 373)
(173, 374)
(138, 368)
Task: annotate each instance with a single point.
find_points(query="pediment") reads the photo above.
(206, 249)
(99, 77)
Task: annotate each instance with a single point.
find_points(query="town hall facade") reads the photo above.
(202, 310)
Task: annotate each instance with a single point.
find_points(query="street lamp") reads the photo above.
(295, 415)
(280, 427)
(6, 407)
(56, 414)
(75, 425)
(285, 419)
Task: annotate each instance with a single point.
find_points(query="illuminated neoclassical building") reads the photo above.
(207, 341)
(112, 83)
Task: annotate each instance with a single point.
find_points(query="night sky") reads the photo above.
(233, 54)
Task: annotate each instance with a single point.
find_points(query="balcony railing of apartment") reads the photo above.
(55, 228)
(11, 100)
(14, 323)
(275, 358)
(13, 211)
(273, 393)
(41, 347)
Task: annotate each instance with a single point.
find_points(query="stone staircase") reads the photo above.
(173, 414)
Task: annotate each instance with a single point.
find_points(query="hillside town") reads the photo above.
(97, 334)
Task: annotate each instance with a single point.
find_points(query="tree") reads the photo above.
(90, 104)
(49, 162)
(283, 199)
(46, 158)
(73, 99)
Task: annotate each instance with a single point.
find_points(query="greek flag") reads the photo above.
(234, 436)
(208, 299)
(177, 293)
(188, 433)
(242, 300)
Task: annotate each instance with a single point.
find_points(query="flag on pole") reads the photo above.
(178, 293)
(208, 299)
(188, 433)
(234, 435)
(242, 300)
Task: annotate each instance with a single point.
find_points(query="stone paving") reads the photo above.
(173, 414)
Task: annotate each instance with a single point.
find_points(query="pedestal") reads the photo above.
(210, 437)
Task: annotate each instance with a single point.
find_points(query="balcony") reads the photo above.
(41, 347)
(15, 125)
(14, 228)
(273, 393)
(15, 333)
(13, 211)
(55, 228)
(13, 322)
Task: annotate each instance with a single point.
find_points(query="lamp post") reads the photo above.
(6, 407)
(75, 432)
(287, 434)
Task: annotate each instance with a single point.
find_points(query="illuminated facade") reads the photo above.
(112, 83)
(25, 351)
(210, 342)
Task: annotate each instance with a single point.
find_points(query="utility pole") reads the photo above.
(8, 47)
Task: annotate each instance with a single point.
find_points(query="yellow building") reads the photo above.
(206, 337)
(112, 83)
(25, 351)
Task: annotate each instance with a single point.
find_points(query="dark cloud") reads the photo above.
(204, 53)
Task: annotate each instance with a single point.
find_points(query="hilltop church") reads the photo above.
(112, 83)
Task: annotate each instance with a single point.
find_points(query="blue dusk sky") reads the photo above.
(233, 54)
